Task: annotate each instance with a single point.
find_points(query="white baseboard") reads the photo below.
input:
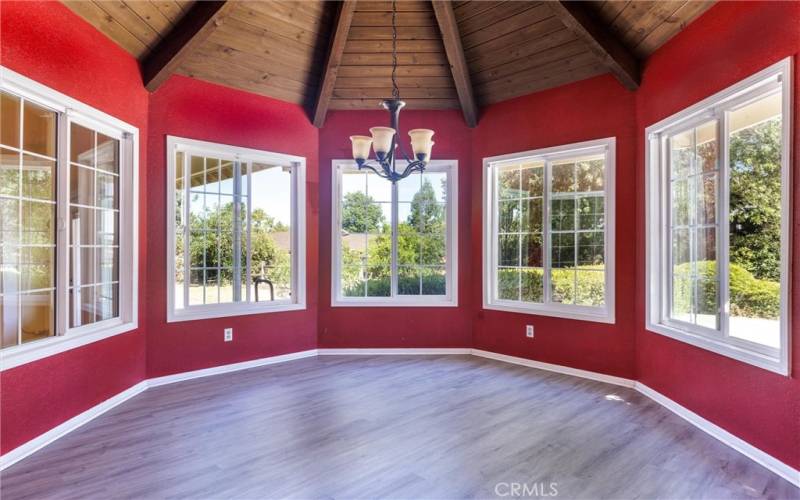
(773, 464)
(566, 370)
(424, 351)
(70, 425)
(216, 370)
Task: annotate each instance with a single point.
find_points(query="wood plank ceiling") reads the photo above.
(288, 50)
(423, 73)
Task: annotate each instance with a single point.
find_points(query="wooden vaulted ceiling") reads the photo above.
(337, 55)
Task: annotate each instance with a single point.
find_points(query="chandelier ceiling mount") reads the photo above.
(383, 140)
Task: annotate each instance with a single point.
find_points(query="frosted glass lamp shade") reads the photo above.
(420, 134)
(382, 140)
(361, 145)
(425, 153)
(421, 142)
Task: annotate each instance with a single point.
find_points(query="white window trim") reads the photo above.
(72, 110)
(298, 229)
(605, 314)
(777, 75)
(451, 258)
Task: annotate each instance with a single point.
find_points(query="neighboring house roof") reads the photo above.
(353, 241)
(282, 239)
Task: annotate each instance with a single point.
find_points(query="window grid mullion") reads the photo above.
(494, 257)
(546, 233)
(365, 264)
(219, 229)
(236, 256)
(575, 220)
(519, 238)
(18, 305)
(187, 277)
(249, 209)
(95, 214)
(723, 231)
(62, 213)
(393, 276)
(692, 187)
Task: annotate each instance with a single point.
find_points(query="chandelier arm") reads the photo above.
(413, 166)
(370, 167)
(403, 151)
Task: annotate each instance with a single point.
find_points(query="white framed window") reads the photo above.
(548, 240)
(718, 221)
(236, 240)
(395, 244)
(68, 220)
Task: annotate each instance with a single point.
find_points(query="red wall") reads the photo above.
(198, 110)
(591, 109)
(728, 43)
(48, 43)
(396, 326)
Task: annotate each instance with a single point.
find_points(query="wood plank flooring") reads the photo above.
(437, 427)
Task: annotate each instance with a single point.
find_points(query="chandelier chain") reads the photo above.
(395, 90)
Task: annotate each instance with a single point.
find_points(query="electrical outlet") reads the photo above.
(529, 331)
(228, 334)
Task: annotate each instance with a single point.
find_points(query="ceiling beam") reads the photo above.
(587, 27)
(338, 39)
(190, 32)
(446, 19)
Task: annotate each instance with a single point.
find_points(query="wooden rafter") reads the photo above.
(615, 56)
(190, 32)
(446, 19)
(338, 39)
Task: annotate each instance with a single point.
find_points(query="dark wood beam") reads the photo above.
(587, 27)
(190, 32)
(455, 56)
(338, 39)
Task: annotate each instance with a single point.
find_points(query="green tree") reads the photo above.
(215, 247)
(360, 213)
(755, 199)
(421, 240)
(426, 214)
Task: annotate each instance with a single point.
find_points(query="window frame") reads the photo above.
(298, 231)
(777, 77)
(70, 110)
(450, 299)
(605, 314)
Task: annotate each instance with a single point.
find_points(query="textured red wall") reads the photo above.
(591, 109)
(198, 110)
(396, 326)
(728, 43)
(48, 43)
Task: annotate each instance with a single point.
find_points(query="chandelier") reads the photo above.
(384, 139)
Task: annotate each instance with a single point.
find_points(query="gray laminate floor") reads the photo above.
(436, 427)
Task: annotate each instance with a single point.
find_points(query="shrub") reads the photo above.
(590, 281)
(586, 287)
(433, 283)
(749, 296)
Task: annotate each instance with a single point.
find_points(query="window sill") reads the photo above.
(228, 310)
(776, 365)
(430, 301)
(13, 357)
(579, 313)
